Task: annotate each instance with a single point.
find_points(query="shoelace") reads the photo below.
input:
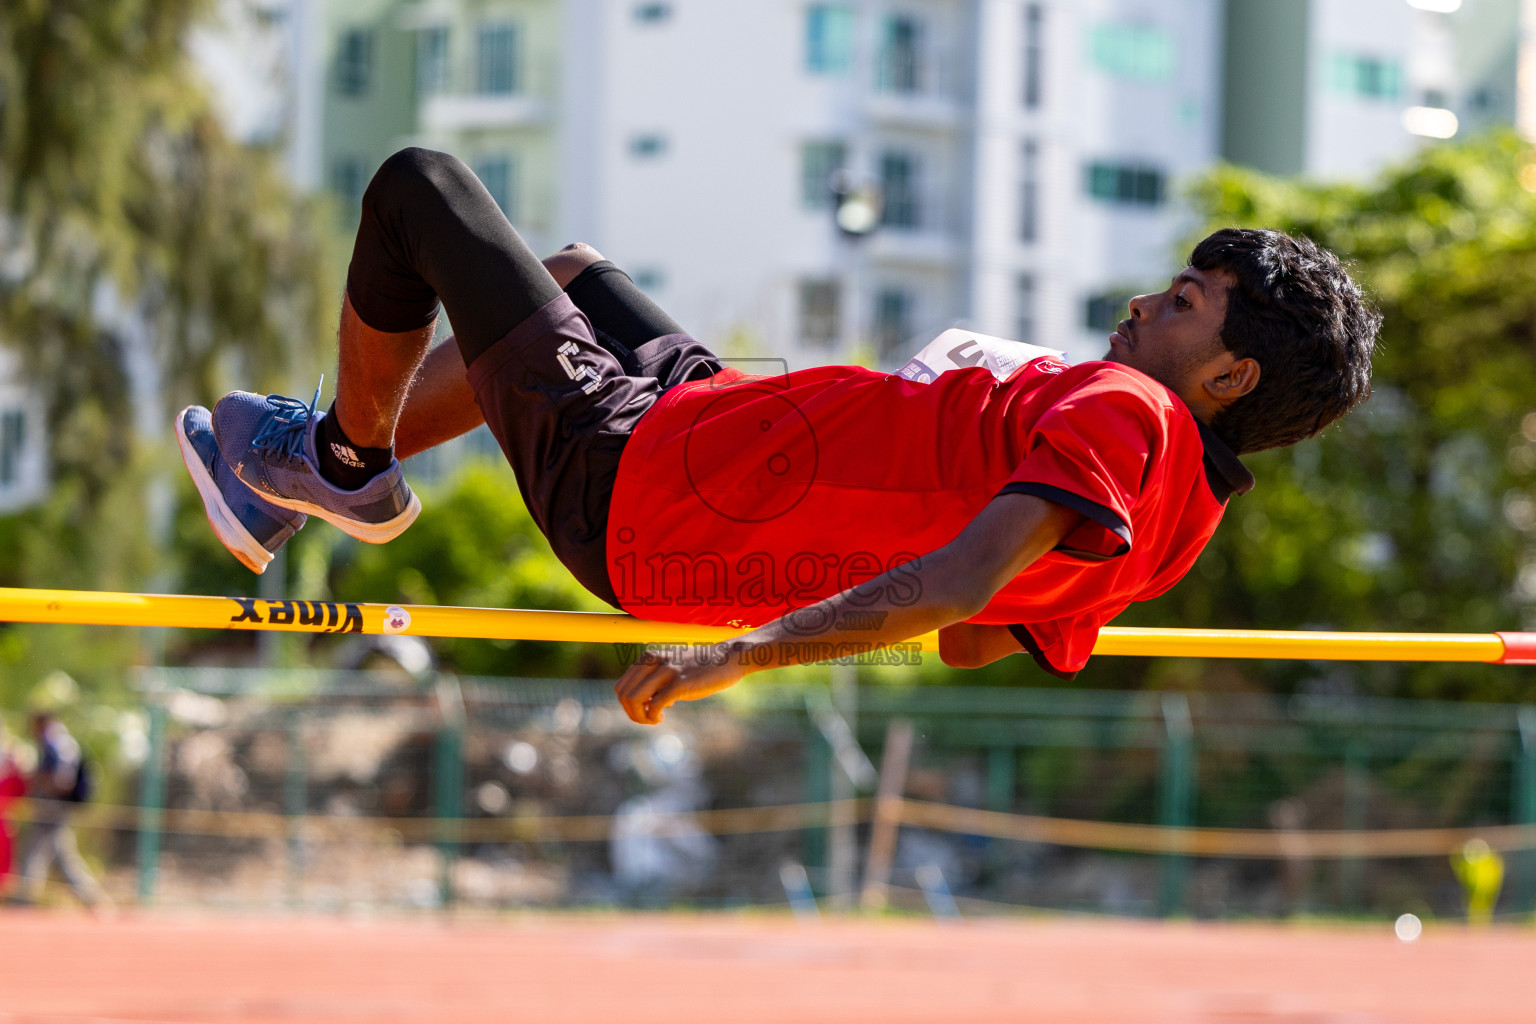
(284, 433)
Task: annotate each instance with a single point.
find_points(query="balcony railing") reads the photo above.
(460, 112)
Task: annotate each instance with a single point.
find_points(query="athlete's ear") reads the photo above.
(1239, 378)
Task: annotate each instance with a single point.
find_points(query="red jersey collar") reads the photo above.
(1224, 471)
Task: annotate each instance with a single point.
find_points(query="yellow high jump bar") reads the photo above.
(87, 607)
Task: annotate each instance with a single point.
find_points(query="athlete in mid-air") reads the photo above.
(833, 510)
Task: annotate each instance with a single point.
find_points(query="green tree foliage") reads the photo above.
(122, 194)
(475, 545)
(1416, 512)
(124, 207)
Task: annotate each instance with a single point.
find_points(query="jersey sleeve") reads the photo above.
(1061, 646)
(1091, 451)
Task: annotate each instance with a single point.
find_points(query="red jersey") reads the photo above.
(740, 498)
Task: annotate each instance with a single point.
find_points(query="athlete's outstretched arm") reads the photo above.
(972, 645)
(937, 590)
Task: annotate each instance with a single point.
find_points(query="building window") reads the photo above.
(1034, 53)
(354, 62)
(819, 162)
(899, 185)
(1029, 193)
(650, 279)
(496, 50)
(432, 61)
(648, 147)
(653, 14)
(893, 320)
(828, 38)
(1123, 183)
(1143, 52)
(13, 444)
(1103, 312)
(1371, 78)
(900, 56)
(348, 179)
(820, 302)
(499, 176)
(1024, 315)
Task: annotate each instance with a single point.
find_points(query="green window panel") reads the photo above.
(496, 49)
(499, 176)
(900, 186)
(1141, 52)
(432, 61)
(1365, 77)
(354, 62)
(819, 162)
(820, 306)
(648, 146)
(1029, 193)
(828, 38)
(893, 319)
(1034, 55)
(1026, 315)
(349, 177)
(1126, 183)
(901, 55)
(1103, 311)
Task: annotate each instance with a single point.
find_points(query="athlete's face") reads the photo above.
(1174, 337)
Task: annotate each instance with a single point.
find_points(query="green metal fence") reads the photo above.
(1243, 761)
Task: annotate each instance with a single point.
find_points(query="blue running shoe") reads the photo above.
(252, 529)
(269, 442)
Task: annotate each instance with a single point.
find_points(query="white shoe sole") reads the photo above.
(368, 533)
(225, 526)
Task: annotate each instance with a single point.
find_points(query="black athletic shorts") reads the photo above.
(562, 401)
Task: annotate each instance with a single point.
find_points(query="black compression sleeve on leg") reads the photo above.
(617, 307)
(430, 230)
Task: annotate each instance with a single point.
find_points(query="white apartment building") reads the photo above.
(1336, 89)
(1031, 153)
(1028, 155)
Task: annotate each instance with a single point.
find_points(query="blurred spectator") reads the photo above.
(1480, 870)
(657, 845)
(59, 785)
(12, 787)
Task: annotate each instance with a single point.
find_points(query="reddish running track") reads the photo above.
(750, 970)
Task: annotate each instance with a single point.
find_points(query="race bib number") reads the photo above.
(956, 349)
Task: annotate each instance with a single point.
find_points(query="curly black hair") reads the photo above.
(1295, 310)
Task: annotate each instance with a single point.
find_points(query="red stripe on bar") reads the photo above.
(1519, 648)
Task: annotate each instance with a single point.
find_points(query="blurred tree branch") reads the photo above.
(122, 198)
(1418, 511)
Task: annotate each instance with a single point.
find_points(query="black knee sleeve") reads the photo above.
(429, 230)
(617, 307)
(386, 292)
